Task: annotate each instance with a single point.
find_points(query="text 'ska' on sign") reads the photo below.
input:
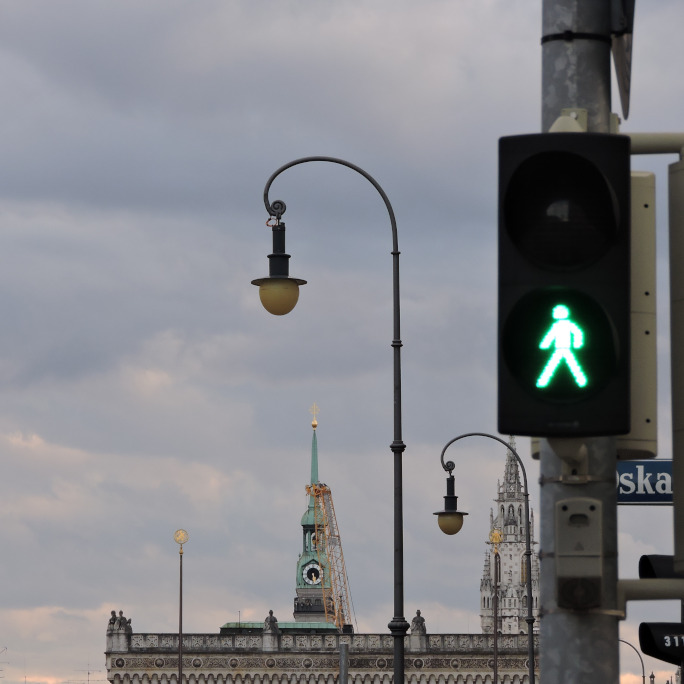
(645, 482)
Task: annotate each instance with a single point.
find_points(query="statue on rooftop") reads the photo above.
(119, 624)
(418, 624)
(271, 623)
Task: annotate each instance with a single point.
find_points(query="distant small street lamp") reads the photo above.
(180, 537)
(450, 521)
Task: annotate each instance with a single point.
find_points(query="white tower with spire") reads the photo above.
(507, 540)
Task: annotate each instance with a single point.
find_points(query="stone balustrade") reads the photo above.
(205, 643)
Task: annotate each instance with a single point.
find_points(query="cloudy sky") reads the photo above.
(143, 388)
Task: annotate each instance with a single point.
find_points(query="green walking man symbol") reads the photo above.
(565, 336)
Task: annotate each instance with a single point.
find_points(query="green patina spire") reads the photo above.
(312, 566)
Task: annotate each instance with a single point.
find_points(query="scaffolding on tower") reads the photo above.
(336, 596)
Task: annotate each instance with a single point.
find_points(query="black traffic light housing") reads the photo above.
(656, 566)
(564, 284)
(662, 640)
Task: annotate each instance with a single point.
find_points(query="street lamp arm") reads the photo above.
(278, 207)
(449, 467)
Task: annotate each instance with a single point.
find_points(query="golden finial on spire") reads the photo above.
(315, 411)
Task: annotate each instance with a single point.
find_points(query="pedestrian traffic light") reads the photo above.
(564, 284)
(661, 640)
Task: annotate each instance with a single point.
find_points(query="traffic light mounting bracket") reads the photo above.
(647, 590)
(571, 120)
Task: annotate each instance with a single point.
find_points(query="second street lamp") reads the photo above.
(279, 293)
(452, 519)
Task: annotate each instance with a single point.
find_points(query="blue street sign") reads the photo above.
(645, 482)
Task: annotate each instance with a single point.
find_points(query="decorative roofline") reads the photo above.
(359, 643)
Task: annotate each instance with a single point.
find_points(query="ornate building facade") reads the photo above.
(300, 655)
(309, 650)
(505, 571)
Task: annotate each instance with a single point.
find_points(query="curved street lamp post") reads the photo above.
(279, 293)
(643, 670)
(451, 520)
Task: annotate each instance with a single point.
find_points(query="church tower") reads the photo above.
(506, 553)
(312, 566)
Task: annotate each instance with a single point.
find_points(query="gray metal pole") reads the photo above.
(576, 60)
(575, 645)
(344, 664)
(676, 214)
(578, 646)
(497, 572)
(180, 537)
(180, 617)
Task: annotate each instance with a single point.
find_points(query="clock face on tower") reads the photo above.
(312, 573)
